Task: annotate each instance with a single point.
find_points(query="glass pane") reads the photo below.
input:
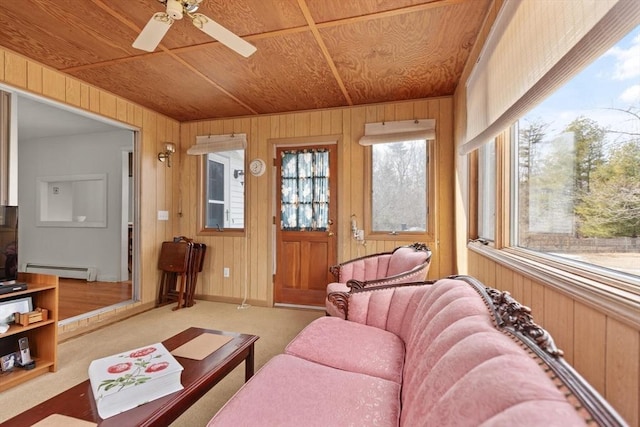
(216, 181)
(399, 187)
(579, 166)
(224, 204)
(305, 190)
(487, 191)
(215, 215)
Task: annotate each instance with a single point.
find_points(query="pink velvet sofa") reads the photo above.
(446, 353)
(404, 264)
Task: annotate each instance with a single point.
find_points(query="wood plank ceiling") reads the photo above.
(311, 53)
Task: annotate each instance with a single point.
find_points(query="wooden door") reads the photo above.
(306, 223)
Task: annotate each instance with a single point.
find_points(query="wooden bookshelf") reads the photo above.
(43, 335)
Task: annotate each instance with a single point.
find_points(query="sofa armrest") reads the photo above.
(373, 306)
(340, 300)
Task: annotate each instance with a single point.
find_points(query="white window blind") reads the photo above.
(216, 143)
(398, 131)
(533, 48)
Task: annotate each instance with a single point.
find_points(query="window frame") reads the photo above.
(431, 187)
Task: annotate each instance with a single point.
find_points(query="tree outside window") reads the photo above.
(399, 187)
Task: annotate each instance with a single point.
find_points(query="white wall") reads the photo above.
(71, 155)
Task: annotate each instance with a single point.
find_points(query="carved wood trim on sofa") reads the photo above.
(516, 321)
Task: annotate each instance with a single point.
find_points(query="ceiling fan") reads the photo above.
(160, 23)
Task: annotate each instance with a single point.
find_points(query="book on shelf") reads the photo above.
(132, 378)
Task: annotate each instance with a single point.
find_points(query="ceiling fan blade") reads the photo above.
(153, 32)
(224, 36)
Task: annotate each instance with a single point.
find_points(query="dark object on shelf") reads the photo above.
(29, 366)
(11, 286)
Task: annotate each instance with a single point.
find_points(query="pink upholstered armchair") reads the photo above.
(404, 264)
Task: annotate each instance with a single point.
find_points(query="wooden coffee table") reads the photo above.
(198, 377)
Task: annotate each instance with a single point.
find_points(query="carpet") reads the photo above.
(275, 327)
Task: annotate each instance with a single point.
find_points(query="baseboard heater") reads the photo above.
(86, 273)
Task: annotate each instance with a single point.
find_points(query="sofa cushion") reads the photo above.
(350, 346)
(387, 308)
(290, 391)
(405, 259)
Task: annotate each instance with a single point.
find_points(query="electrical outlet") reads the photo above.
(226, 272)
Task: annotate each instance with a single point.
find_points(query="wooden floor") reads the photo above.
(79, 296)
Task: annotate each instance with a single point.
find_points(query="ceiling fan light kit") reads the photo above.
(174, 9)
(160, 22)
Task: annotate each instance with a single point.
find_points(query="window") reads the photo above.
(577, 166)
(399, 187)
(221, 186)
(487, 191)
(305, 190)
(223, 190)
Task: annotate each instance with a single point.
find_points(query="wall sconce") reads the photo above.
(169, 149)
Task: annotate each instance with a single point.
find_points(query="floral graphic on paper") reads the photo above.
(134, 372)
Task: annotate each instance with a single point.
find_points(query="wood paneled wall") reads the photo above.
(250, 257)
(157, 182)
(603, 349)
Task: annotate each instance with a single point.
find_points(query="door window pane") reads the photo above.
(305, 190)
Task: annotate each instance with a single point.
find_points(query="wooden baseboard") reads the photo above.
(90, 324)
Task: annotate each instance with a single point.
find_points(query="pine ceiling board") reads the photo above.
(63, 34)
(382, 54)
(165, 85)
(254, 16)
(332, 10)
(286, 73)
(408, 56)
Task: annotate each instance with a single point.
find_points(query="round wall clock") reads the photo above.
(257, 167)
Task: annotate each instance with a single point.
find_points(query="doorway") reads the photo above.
(306, 242)
(68, 141)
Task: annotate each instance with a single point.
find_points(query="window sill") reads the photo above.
(408, 236)
(225, 232)
(614, 296)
